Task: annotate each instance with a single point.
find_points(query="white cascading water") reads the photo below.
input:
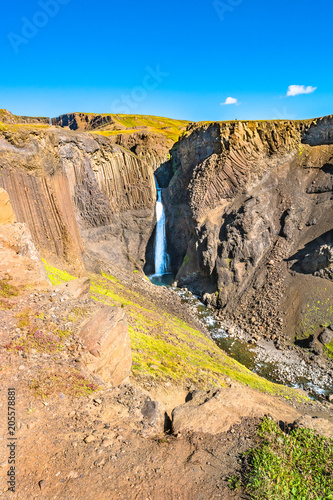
(162, 260)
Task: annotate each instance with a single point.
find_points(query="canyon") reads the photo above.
(247, 214)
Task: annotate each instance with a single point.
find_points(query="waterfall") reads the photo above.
(162, 261)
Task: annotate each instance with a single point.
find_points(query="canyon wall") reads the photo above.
(250, 222)
(86, 201)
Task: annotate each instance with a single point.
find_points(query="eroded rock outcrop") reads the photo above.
(7, 215)
(20, 263)
(258, 200)
(106, 337)
(218, 410)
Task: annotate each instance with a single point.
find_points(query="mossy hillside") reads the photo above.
(172, 129)
(14, 127)
(164, 347)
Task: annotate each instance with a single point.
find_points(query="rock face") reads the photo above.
(106, 337)
(250, 221)
(7, 215)
(218, 410)
(82, 198)
(83, 121)
(20, 262)
(8, 117)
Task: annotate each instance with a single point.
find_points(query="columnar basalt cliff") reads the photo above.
(149, 137)
(83, 199)
(250, 214)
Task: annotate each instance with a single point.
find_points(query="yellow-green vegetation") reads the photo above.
(14, 127)
(23, 318)
(172, 129)
(166, 348)
(57, 276)
(295, 466)
(329, 349)
(69, 382)
(6, 292)
(318, 313)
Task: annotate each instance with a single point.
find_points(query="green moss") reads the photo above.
(186, 260)
(329, 349)
(57, 276)
(318, 313)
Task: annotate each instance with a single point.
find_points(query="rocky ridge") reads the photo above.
(257, 211)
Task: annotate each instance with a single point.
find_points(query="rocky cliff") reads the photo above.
(83, 198)
(8, 117)
(250, 221)
(151, 138)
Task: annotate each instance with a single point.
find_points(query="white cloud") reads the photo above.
(300, 89)
(229, 100)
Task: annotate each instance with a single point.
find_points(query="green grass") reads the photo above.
(170, 128)
(14, 127)
(298, 466)
(166, 348)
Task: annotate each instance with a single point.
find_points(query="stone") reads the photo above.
(154, 414)
(79, 288)
(89, 439)
(106, 338)
(326, 336)
(7, 215)
(73, 474)
(19, 260)
(320, 425)
(218, 410)
(107, 442)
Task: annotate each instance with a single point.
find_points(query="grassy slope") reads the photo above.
(13, 127)
(165, 347)
(172, 129)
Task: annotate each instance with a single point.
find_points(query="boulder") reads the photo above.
(79, 288)
(326, 336)
(155, 416)
(20, 262)
(7, 215)
(218, 410)
(320, 425)
(107, 340)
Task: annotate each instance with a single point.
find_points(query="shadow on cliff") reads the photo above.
(313, 256)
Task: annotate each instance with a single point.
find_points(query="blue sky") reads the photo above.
(180, 58)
